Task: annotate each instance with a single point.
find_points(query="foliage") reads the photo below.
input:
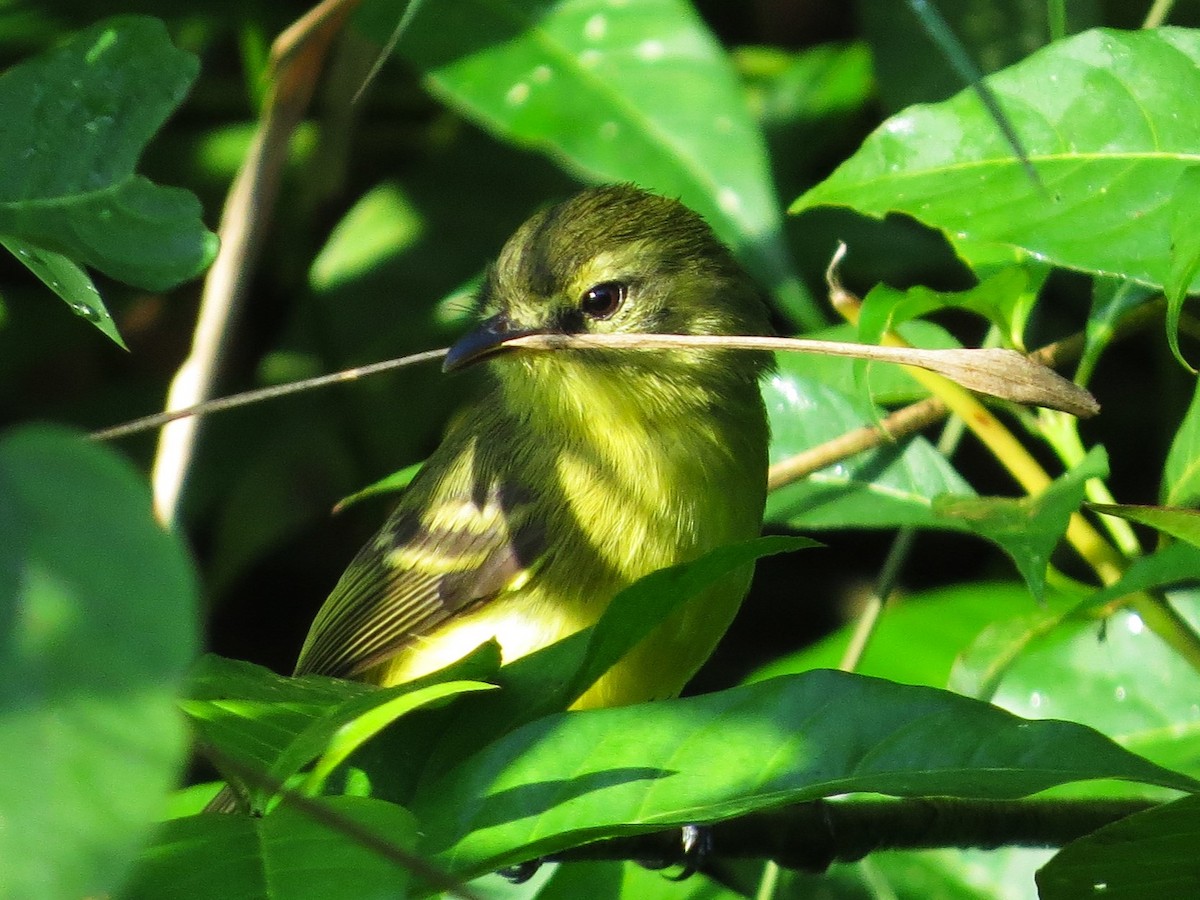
(1040, 645)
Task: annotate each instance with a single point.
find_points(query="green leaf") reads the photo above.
(890, 486)
(1115, 676)
(389, 484)
(983, 664)
(1181, 474)
(617, 880)
(76, 120)
(391, 705)
(1171, 565)
(915, 487)
(1111, 299)
(1108, 143)
(917, 641)
(1179, 523)
(1027, 529)
(251, 713)
(609, 90)
(382, 223)
(578, 776)
(998, 298)
(278, 725)
(286, 854)
(1148, 854)
(810, 85)
(1183, 276)
(948, 874)
(69, 281)
(97, 626)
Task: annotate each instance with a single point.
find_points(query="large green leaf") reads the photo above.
(576, 776)
(610, 90)
(75, 122)
(1109, 145)
(97, 626)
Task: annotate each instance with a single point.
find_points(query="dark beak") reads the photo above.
(484, 340)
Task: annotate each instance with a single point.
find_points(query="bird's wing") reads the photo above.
(425, 566)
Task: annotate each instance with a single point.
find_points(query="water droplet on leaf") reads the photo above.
(91, 313)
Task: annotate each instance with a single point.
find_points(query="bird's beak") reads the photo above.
(484, 340)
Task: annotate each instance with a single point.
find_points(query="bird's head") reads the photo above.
(614, 260)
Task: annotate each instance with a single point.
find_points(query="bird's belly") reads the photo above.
(656, 668)
(521, 624)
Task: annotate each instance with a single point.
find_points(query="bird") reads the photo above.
(573, 473)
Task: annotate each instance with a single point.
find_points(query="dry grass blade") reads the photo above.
(999, 373)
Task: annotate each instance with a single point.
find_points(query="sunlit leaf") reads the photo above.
(609, 90)
(577, 776)
(1108, 144)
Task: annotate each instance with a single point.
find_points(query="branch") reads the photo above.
(812, 836)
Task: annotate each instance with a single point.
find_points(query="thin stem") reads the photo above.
(268, 393)
(868, 619)
(768, 884)
(1056, 11)
(1159, 10)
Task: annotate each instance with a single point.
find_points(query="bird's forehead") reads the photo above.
(545, 268)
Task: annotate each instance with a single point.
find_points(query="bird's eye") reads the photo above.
(602, 300)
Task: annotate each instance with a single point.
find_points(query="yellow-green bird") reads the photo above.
(575, 472)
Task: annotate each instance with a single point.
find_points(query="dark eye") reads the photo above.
(602, 300)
